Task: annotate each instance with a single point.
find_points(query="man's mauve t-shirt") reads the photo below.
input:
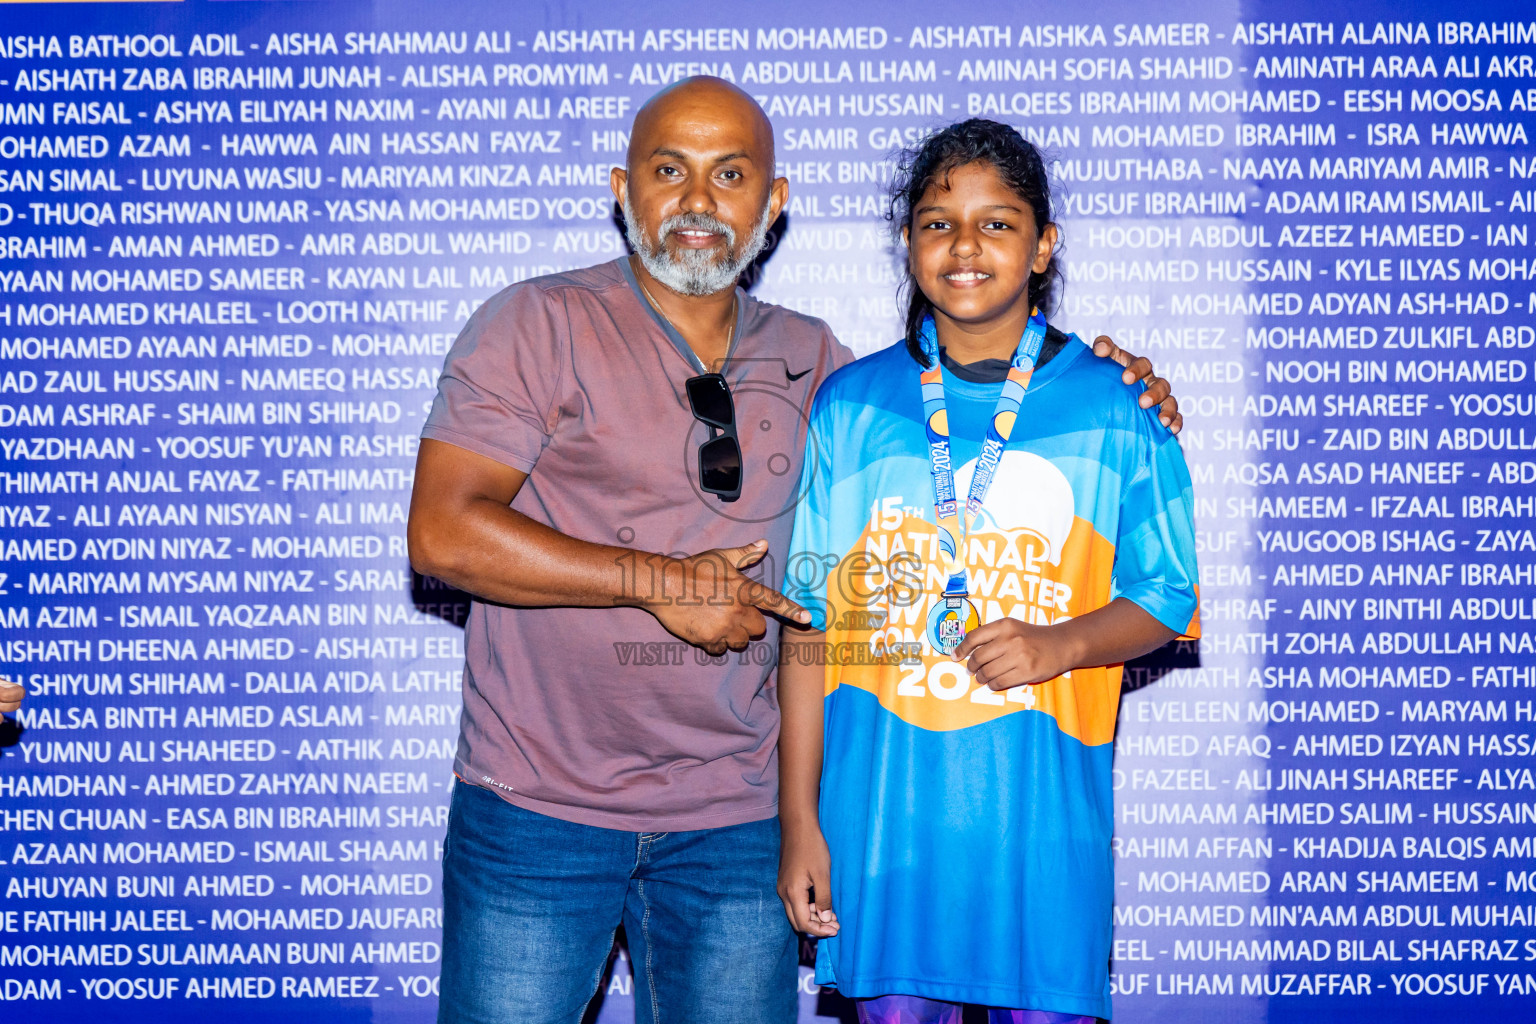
(599, 715)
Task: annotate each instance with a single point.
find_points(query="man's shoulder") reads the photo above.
(783, 316)
(540, 307)
(599, 278)
(790, 325)
(805, 342)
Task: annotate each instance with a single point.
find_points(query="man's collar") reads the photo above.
(742, 298)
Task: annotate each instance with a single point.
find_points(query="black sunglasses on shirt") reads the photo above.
(709, 398)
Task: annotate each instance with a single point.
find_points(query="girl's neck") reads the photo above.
(972, 342)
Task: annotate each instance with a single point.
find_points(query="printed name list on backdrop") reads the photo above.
(237, 241)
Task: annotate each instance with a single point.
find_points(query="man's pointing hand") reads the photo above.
(707, 600)
(11, 695)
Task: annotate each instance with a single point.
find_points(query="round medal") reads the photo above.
(949, 621)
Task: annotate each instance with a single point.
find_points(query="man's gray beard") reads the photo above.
(695, 271)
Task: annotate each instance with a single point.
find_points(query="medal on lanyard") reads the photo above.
(954, 615)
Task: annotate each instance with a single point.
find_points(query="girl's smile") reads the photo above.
(966, 278)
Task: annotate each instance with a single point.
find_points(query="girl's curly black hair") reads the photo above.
(974, 141)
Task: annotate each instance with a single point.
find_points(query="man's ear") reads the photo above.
(778, 195)
(618, 181)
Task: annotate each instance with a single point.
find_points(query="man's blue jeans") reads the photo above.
(531, 903)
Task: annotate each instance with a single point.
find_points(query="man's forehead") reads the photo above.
(701, 121)
(704, 143)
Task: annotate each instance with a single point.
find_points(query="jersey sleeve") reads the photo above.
(498, 395)
(811, 557)
(1155, 550)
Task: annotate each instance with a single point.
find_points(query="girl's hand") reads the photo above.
(1009, 653)
(805, 881)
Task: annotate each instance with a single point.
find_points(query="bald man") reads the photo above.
(612, 457)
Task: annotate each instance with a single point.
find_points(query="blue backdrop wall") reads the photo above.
(236, 240)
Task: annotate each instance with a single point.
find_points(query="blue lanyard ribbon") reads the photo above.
(953, 528)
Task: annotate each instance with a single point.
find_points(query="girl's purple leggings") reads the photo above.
(917, 1010)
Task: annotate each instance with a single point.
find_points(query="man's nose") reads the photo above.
(698, 197)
